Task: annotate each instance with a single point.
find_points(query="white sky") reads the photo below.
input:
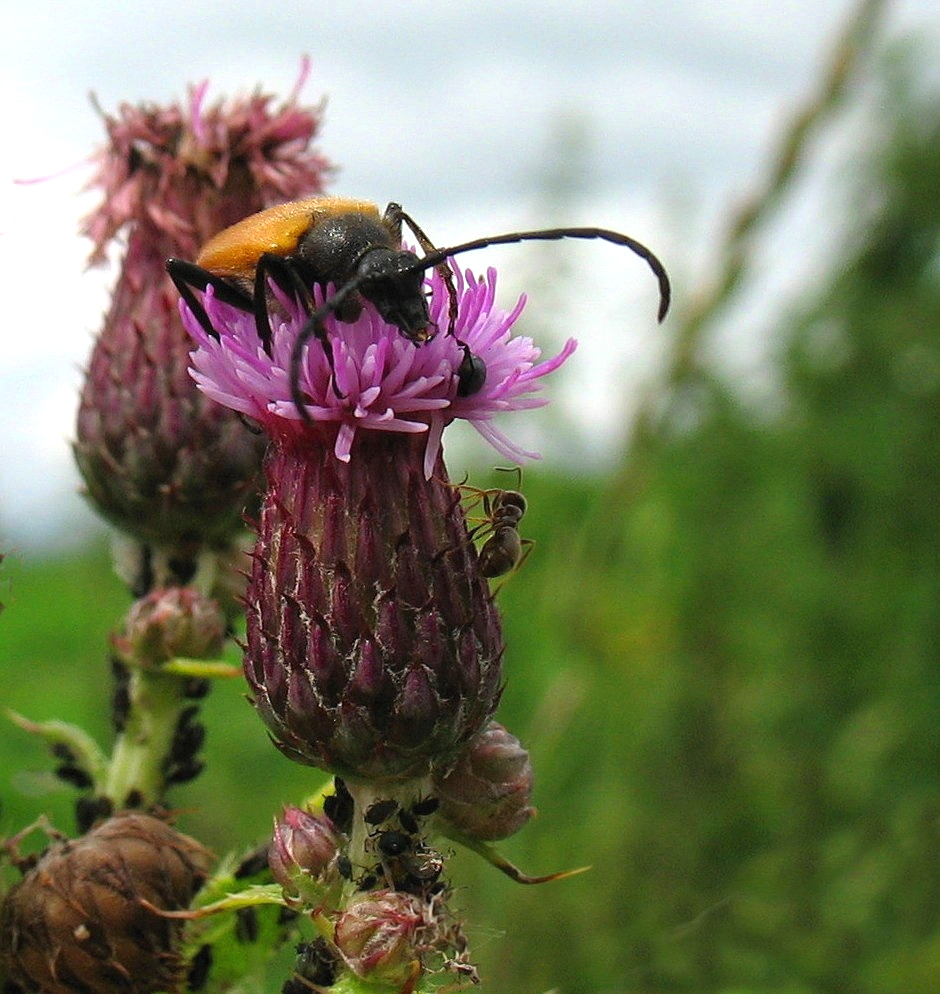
(448, 108)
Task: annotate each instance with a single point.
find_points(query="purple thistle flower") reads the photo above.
(161, 461)
(188, 171)
(389, 384)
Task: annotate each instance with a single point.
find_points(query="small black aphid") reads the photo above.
(367, 881)
(425, 806)
(246, 925)
(120, 695)
(314, 968)
(408, 822)
(199, 969)
(196, 688)
(339, 807)
(185, 771)
(253, 863)
(344, 867)
(89, 809)
(74, 775)
(380, 811)
(188, 736)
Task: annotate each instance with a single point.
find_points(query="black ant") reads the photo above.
(504, 549)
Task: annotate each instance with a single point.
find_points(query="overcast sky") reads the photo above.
(449, 108)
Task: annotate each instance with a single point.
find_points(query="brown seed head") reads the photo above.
(76, 923)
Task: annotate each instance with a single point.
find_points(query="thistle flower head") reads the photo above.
(159, 460)
(180, 173)
(388, 384)
(374, 649)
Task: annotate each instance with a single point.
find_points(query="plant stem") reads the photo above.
(136, 773)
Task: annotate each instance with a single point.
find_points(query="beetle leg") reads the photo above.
(187, 277)
(314, 328)
(394, 216)
(282, 271)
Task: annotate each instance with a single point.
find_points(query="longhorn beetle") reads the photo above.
(349, 244)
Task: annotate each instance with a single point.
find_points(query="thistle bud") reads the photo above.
(77, 921)
(486, 795)
(170, 623)
(379, 937)
(302, 847)
(373, 650)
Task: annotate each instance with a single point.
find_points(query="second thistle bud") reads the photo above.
(487, 795)
(378, 937)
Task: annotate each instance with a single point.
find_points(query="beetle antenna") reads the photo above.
(314, 327)
(556, 234)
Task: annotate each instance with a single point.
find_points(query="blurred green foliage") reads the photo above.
(730, 676)
(723, 657)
